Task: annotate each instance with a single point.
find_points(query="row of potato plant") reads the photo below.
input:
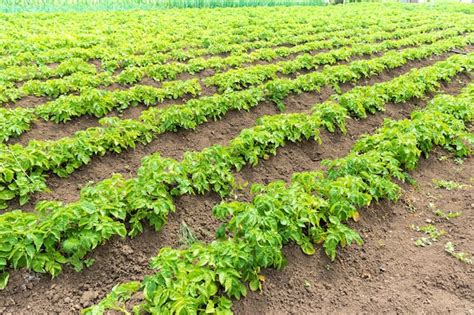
(60, 233)
(23, 169)
(185, 39)
(243, 77)
(314, 42)
(80, 81)
(101, 102)
(151, 51)
(312, 209)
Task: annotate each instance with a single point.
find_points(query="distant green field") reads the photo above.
(17, 6)
(105, 5)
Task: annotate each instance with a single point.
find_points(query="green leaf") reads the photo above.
(4, 276)
(308, 248)
(210, 309)
(254, 284)
(7, 195)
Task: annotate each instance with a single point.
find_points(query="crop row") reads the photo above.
(9, 92)
(100, 102)
(245, 31)
(240, 78)
(344, 37)
(31, 72)
(64, 233)
(207, 35)
(81, 81)
(311, 209)
(23, 169)
(181, 45)
(47, 36)
(170, 40)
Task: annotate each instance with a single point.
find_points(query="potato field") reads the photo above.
(251, 160)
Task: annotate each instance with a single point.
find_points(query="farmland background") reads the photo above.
(105, 5)
(244, 157)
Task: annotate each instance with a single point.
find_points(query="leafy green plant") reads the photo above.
(119, 51)
(461, 256)
(423, 241)
(447, 216)
(15, 122)
(66, 107)
(447, 184)
(115, 300)
(114, 202)
(314, 208)
(186, 235)
(310, 209)
(100, 102)
(64, 156)
(244, 77)
(432, 231)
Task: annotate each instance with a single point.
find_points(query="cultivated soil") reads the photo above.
(387, 274)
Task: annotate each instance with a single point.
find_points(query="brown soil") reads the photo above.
(27, 102)
(388, 273)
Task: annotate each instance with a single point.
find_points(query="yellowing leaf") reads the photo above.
(356, 216)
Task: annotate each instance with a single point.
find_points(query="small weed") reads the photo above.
(458, 161)
(89, 262)
(186, 235)
(433, 234)
(240, 185)
(447, 216)
(461, 256)
(423, 241)
(432, 231)
(447, 184)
